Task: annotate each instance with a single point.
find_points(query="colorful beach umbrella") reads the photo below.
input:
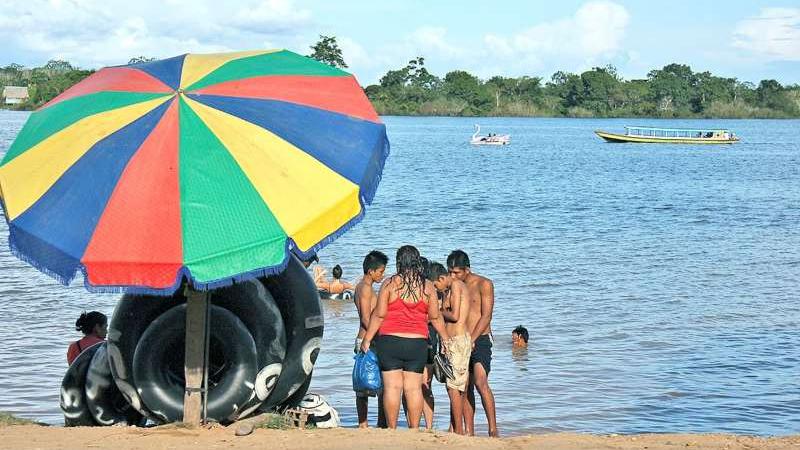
(214, 167)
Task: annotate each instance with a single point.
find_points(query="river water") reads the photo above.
(659, 284)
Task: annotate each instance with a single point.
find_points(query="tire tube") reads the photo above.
(161, 347)
(73, 391)
(297, 397)
(298, 299)
(252, 303)
(106, 403)
(132, 315)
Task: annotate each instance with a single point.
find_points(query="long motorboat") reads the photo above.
(671, 135)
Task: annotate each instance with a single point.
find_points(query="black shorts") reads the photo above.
(408, 354)
(482, 353)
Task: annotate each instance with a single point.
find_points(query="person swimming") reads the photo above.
(519, 337)
(336, 289)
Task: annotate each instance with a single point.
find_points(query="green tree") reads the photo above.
(567, 87)
(769, 94)
(140, 59)
(327, 50)
(467, 87)
(601, 90)
(671, 87)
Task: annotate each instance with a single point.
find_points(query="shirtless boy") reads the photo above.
(455, 310)
(365, 299)
(479, 321)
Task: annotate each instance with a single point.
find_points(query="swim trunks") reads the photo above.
(482, 353)
(408, 354)
(459, 351)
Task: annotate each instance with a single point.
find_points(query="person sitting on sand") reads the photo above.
(406, 302)
(365, 299)
(455, 310)
(519, 337)
(94, 326)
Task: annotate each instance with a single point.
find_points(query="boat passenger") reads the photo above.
(94, 326)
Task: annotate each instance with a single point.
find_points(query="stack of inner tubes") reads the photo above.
(264, 338)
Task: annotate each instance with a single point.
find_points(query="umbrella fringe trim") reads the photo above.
(372, 187)
(24, 257)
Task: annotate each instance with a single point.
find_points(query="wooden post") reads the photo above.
(195, 355)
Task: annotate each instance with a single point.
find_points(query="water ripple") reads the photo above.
(659, 285)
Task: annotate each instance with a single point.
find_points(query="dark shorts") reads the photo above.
(482, 353)
(408, 354)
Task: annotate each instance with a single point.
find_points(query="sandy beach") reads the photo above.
(171, 437)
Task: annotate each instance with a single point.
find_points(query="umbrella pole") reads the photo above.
(195, 363)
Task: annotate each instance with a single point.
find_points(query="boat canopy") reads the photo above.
(676, 132)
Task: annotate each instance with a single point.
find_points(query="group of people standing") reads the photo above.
(420, 304)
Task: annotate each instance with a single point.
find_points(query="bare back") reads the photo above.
(481, 298)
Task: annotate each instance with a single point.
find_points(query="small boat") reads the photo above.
(671, 135)
(490, 139)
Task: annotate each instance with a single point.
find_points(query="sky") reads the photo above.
(749, 40)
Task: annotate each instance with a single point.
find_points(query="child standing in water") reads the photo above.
(94, 326)
(365, 299)
(455, 310)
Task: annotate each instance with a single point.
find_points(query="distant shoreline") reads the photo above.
(546, 117)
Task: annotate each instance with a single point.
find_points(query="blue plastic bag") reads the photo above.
(366, 373)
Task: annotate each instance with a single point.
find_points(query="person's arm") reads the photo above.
(347, 286)
(456, 294)
(378, 314)
(72, 352)
(363, 295)
(487, 306)
(433, 312)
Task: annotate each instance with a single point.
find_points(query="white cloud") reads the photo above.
(774, 34)
(590, 36)
(432, 40)
(94, 33)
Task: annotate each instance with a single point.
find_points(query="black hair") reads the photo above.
(457, 258)
(426, 267)
(409, 269)
(437, 270)
(86, 322)
(337, 271)
(374, 260)
(522, 332)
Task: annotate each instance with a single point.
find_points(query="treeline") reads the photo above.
(46, 82)
(43, 83)
(672, 91)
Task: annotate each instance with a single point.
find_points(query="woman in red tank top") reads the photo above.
(406, 302)
(94, 326)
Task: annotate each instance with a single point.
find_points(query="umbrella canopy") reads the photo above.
(214, 167)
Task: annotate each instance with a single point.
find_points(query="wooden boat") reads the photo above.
(671, 136)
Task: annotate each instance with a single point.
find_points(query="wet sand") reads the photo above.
(171, 437)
